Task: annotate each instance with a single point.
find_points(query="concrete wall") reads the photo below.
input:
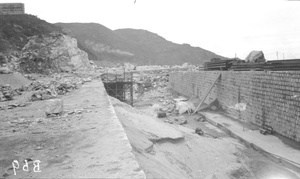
(270, 97)
(11, 8)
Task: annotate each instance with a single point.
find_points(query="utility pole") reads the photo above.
(131, 89)
(277, 55)
(283, 56)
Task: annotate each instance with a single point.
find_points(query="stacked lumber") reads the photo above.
(248, 66)
(274, 65)
(283, 65)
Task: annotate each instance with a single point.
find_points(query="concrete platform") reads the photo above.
(270, 145)
(110, 149)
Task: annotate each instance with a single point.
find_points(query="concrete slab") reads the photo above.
(269, 144)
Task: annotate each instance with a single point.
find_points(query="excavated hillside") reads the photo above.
(15, 30)
(31, 45)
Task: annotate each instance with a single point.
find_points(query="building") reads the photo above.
(12, 8)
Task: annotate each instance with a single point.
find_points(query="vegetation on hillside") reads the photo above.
(31, 45)
(15, 30)
(131, 45)
(102, 44)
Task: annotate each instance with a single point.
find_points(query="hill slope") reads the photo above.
(31, 45)
(15, 30)
(131, 45)
(165, 52)
(101, 43)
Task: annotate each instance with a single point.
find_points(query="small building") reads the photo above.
(12, 8)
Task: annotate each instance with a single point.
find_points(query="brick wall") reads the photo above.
(270, 97)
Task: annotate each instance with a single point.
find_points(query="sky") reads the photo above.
(226, 27)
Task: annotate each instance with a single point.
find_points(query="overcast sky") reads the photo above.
(226, 27)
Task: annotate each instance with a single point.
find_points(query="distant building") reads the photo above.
(12, 8)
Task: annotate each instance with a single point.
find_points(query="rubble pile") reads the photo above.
(48, 90)
(7, 92)
(153, 85)
(43, 92)
(150, 84)
(54, 107)
(39, 87)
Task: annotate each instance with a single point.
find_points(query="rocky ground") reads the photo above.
(27, 132)
(165, 147)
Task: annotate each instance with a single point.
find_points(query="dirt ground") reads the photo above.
(76, 144)
(26, 133)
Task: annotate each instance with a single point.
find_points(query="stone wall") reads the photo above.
(258, 97)
(11, 8)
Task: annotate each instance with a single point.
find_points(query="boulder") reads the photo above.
(214, 108)
(3, 59)
(199, 131)
(185, 65)
(183, 107)
(6, 93)
(180, 120)
(161, 114)
(156, 107)
(54, 107)
(255, 56)
(5, 70)
(183, 122)
(44, 94)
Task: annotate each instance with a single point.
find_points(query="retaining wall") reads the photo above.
(258, 97)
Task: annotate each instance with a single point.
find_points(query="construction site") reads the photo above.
(79, 100)
(178, 122)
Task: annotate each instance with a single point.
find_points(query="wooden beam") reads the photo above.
(208, 91)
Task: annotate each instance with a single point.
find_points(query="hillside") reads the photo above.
(142, 47)
(31, 45)
(103, 45)
(15, 30)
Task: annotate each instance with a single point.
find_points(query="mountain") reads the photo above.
(101, 43)
(141, 47)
